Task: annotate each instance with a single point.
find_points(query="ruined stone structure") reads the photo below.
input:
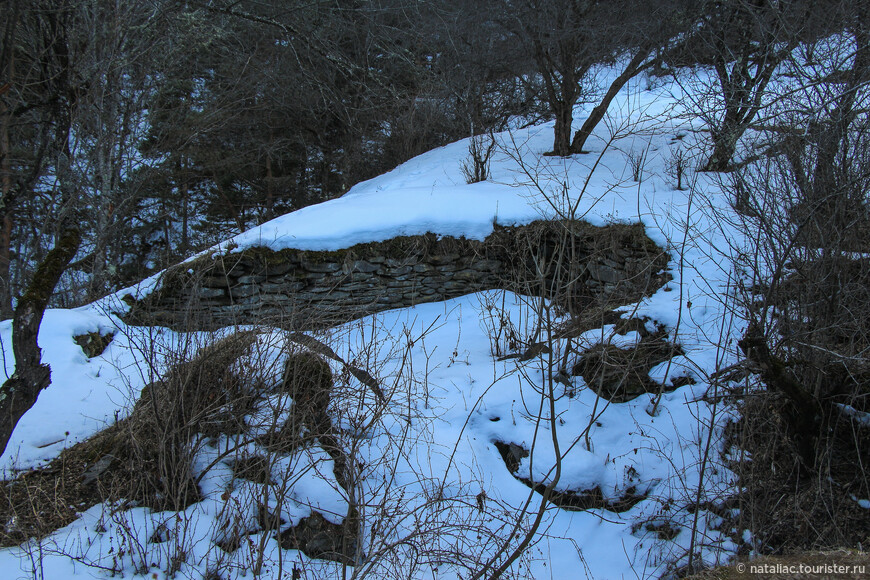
(570, 261)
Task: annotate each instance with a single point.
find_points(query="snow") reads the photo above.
(84, 394)
(428, 459)
(861, 418)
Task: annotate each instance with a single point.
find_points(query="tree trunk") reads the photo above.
(742, 88)
(185, 219)
(843, 114)
(724, 147)
(19, 393)
(184, 194)
(735, 85)
(803, 410)
(562, 130)
(632, 70)
(270, 189)
(5, 267)
(5, 211)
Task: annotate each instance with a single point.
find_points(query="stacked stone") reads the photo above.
(294, 288)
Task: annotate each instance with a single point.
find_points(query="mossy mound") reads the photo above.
(93, 343)
(308, 381)
(622, 374)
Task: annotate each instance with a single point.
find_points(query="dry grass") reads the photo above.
(38, 502)
(205, 394)
(622, 374)
(145, 457)
(788, 507)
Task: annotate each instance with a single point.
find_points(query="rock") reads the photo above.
(212, 293)
(364, 267)
(399, 271)
(487, 265)
(279, 269)
(214, 282)
(244, 291)
(605, 273)
(324, 267)
(249, 279)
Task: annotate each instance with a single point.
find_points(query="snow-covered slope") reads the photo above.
(434, 492)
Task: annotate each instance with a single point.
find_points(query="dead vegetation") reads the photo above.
(621, 374)
(308, 381)
(204, 395)
(94, 343)
(787, 507)
(38, 502)
(317, 537)
(571, 499)
(214, 392)
(144, 457)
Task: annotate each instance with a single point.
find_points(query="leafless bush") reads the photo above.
(637, 159)
(551, 342)
(237, 423)
(677, 166)
(505, 335)
(475, 167)
(205, 394)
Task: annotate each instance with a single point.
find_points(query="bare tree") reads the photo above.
(558, 44)
(38, 107)
(744, 42)
(552, 48)
(642, 32)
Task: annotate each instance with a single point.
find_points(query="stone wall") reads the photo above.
(299, 289)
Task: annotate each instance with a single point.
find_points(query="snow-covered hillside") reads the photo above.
(434, 495)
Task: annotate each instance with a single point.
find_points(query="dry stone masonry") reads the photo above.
(570, 260)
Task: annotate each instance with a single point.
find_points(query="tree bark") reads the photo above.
(724, 147)
(185, 217)
(743, 87)
(632, 70)
(19, 393)
(562, 130)
(5, 203)
(270, 188)
(842, 116)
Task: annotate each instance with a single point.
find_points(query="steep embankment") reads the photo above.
(431, 434)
